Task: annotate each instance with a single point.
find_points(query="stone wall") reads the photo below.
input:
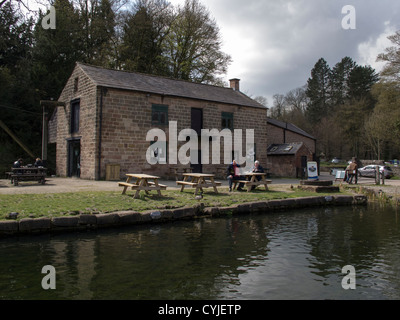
(120, 137)
(127, 119)
(123, 218)
(288, 165)
(86, 91)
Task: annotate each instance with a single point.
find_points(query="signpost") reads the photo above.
(312, 170)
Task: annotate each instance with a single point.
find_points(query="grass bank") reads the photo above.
(60, 204)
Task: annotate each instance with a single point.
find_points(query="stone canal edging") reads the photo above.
(83, 222)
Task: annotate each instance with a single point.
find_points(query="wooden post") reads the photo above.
(377, 176)
(44, 136)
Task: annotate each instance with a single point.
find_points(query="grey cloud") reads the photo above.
(290, 36)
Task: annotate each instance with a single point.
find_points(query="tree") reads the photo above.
(360, 83)
(377, 131)
(17, 95)
(296, 100)
(278, 108)
(194, 46)
(56, 50)
(339, 88)
(387, 109)
(391, 71)
(97, 20)
(350, 118)
(143, 39)
(318, 87)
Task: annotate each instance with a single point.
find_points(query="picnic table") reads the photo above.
(27, 174)
(144, 182)
(198, 181)
(253, 181)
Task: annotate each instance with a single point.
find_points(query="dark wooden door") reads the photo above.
(74, 158)
(197, 125)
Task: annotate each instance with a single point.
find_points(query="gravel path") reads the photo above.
(60, 185)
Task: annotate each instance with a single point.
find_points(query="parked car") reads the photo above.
(336, 160)
(369, 171)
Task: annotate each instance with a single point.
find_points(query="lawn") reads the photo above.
(58, 204)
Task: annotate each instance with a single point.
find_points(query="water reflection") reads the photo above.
(292, 255)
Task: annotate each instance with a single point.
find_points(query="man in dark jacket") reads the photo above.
(233, 173)
(18, 163)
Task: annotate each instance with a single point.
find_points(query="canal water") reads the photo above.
(290, 255)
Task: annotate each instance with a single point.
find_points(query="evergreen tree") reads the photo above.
(56, 50)
(97, 20)
(339, 81)
(18, 99)
(318, 89)
(360, 82)
(144, 33)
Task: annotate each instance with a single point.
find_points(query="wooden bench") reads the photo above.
(142, 184)
(198, 181)
(126, 186)
(135, 186)
(18, 177)
(27, 174)
(206, 183)
(253, 182)
(185, 183)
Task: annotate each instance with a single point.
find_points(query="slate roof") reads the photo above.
(165, 86)
(284, 149)
(290, 127)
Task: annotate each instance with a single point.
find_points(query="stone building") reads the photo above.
(288, 159)
(108, 113)
(289, 149)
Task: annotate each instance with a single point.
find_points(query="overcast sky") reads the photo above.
(274, 44)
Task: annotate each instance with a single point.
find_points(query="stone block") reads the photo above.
(145, 217)
(167, 214)
(228, 210)
(129, 217)
(87, 219)
(8, 227)
(274, 204)
(288, 203)
(343, 200)
(259, 207)
(186, 212)
(66, 222)
(211, 211)
(305, 202)
(107, 219)
(243, 208)
(34, 225)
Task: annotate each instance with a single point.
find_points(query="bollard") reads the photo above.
(377, 176)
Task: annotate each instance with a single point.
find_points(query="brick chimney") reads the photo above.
(234, 84)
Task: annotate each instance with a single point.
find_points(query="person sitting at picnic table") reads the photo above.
(38, 163)
(18, 164)
(256, 169)
(233, 173)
